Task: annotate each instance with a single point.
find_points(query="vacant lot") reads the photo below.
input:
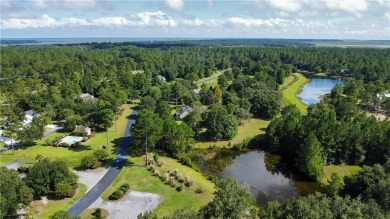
(140, 179)
(253, 128)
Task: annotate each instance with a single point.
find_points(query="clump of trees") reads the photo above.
(51, 178)
(14, 193)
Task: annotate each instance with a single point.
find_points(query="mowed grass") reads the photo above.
(252, 128)
(291, 87)
(341, 170)
(62, 205)
(72, 157)
(140, 179)
(203, 80)
(87, 214)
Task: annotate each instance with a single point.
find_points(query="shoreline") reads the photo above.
(292, 89)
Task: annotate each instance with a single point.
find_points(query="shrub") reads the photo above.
(172, 183)
(77, 144)
(97, 165)
(124, 187)
(97, 214)
(156, 173)
(79, 133)
(88, 161)
(186, 161)
(199, 190)
(179, 187)
(23, 169)
(116, 195)
(63, 144)
(84, 139)
(63, 189)
(188, 183)
(160, 163)
(155, 157)
(101, 154)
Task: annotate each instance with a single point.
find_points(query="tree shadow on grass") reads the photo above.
(80, 148)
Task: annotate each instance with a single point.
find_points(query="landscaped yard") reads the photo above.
(61, 205)
(341, 170)
(140, 179)
(291, 87)
(253, 128)
(71, 156)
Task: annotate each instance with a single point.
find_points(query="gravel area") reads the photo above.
(90, 178)
(129, 207)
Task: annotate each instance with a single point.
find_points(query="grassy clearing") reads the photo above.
(140, 179)
(291, 87)
(253, 128)
(87, 214)
(203, 80)
(72, 157)
(341, 170)
(59, 205)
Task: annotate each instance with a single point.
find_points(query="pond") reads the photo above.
(318, 86)
(265, 176)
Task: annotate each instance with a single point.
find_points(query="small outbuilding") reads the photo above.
(183, 112)
(81, 128)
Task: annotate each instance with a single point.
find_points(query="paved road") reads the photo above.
(116, 166)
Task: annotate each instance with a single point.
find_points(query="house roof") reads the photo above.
(82, 128)
(184, 109)
(86, 96)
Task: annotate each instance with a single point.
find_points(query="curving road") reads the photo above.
(116, 166)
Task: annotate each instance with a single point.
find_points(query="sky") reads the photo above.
(303, 19)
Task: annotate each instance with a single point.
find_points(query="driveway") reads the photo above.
(116, 166)
(129, 207)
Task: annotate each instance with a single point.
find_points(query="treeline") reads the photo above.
(334, 131)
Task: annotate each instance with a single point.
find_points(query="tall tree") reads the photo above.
(220, 124)
(146, 131)
(14, 193)
(309, 157)
(230, 201)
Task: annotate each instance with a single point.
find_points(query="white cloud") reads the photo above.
(177, 5)
(387, 15)
(69, 5)
(157, 19)
(352, 6)
(285, 5)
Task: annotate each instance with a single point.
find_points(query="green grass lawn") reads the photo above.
(291, 87)
(71, 156)
(212, 83)
(140, 179)
(87, 214)
(60, 205)
(253, 128)
(341, 170)
(2, 144)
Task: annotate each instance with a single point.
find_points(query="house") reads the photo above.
(87, 97)
(29, 116)
(162, 78)
(381, 96)
(81, 128)
(183, 112)
(197, 91)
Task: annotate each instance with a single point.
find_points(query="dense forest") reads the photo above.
(51, 80)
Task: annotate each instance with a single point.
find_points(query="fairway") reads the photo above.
(72, 157)
(251, 129)
(140, 179)
(291, 87)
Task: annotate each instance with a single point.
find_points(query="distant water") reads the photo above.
(51, 41)
(317, 87)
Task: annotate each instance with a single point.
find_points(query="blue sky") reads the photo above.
(321, 19)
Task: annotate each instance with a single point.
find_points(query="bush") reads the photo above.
(124, 187)
(63, 144)
(23, 169)
(155, 157)
(156, 173)
(97, 165)
(179, 187)
(186, 161)
(63, 189)
(79, 133)
(97, 214)
(84, 139)
(76, 144)
(199, 190)
(88, 161)
(160, 163)
(101, 154)
(116, 195)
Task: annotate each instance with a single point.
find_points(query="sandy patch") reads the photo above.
(90, 178)
(129, 207)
